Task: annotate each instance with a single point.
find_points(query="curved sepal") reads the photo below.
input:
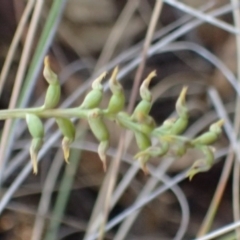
(36, 145)
(143, 142)
(68, 130)
(181, 106)
(66, 142)
(102, 149)
(144, 89)
(50, 76)
(202, 165)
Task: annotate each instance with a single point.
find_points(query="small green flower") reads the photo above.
(202, 165)
(68, 130)
(94, 97)
(181, 107)
(117, 101)
(144, 155)
(53, 93)
(100, 131)
(36, 130)
(211, 136)
(144, 106)
(143, 142)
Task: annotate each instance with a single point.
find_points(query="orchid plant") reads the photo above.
(139, 122)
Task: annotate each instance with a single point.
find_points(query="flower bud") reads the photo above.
(35, 125)
(36, 130)
(202, 165)
(181, 123)
(211, 136)
(100, 131)
(68, 130)
(52, 96)
(117, 101)
(34, 149)
(94, 97)
(143, 142)
(144, 106)
(54, 89)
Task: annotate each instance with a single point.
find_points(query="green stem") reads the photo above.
(43, 113)
(71, 113)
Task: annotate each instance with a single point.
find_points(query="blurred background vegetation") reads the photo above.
(83, 39)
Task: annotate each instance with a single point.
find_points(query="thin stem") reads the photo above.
(116, 33)
(236, 169)
(46, 196)
(203, 16)
(63, 196)
(212, 210)
(111, 185)
(43, 113)
(14, 43)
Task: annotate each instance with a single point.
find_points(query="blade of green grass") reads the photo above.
(5, 147)
(43, 46)
(44, 43)
(63, 195)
